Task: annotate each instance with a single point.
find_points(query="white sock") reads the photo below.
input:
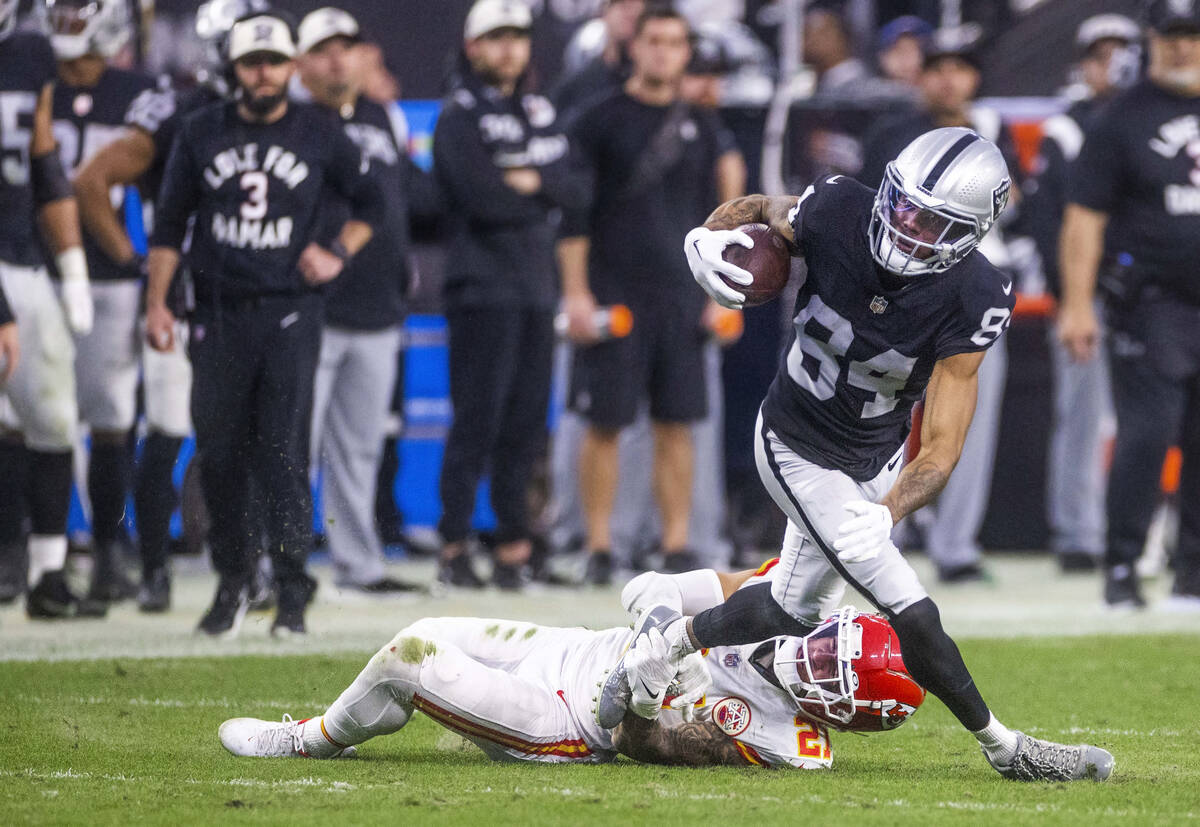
(998, 741)
(317, 742)
(679, 639)
(46, 553)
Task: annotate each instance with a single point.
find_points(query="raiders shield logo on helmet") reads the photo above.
(1000, 198)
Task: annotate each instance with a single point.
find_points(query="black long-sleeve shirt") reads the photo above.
(254, 191)
(501, 246)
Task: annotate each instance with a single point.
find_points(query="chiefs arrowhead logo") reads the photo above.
(732, 715)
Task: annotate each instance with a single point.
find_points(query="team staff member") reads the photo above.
(139, 157)
(659, 163)
(504, 167)
(38, 410)
(364, 309)
(1137, 178)
(90, 101)
(251, 172)
(1075, 471)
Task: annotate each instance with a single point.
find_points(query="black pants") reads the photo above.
(1154, 354)
(500, 365)
(253, 363)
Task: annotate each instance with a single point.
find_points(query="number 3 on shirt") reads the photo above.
(255, 208)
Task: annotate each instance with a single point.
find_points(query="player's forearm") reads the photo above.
(918, 484)
(771, 210)
(96, 213)
(572, 254)
(1080, 247)
(59, 221)
(354, 235)
(161, 264)
(689, 745)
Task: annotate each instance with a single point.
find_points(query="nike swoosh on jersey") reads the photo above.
(1007, 288)
(892, 464)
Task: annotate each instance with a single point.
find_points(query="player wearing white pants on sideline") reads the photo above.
(351, 399)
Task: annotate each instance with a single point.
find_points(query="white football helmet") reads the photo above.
(86, 27)
(214, 19)
(937, 201)
(8, 17)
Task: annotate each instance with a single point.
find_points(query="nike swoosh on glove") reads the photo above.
(705, 250)
(650, 673)
(866, 534)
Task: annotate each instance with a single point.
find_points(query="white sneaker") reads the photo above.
(255, 738)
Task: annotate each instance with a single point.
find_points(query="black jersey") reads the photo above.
(158, 113)
(864, 343)
(1140, 165)
(369, 295)
(26, 66)
(86, 119)
(255, 190)
(637, 228)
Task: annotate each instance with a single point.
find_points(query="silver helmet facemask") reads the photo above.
(214, 19)
(937, 201)
(816, 670)
(85, 27)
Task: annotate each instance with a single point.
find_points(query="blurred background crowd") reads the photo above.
(529, 422)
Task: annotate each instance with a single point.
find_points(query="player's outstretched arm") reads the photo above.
(771, 210)
(949, 407)
(122, 162)
(689, 745)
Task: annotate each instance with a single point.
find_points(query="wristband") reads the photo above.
(339, 250)
(71, 264)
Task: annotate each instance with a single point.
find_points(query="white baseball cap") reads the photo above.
(1106, 27)
(489, 15)
(263, 33)
(324, 23)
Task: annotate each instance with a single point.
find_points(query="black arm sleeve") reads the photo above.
(6, 315)
(50, 182)
(177, 197)
(474, 185)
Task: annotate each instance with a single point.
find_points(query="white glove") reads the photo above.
(76, 290)
(864, 535)
(692, 681)
(649, 673)
(704, 249)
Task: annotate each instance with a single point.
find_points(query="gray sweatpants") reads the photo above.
(635, 514)
(353, 392)
(1075, 475)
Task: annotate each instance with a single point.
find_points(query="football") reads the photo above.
(768, 261)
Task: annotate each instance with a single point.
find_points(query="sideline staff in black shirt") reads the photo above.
(1138, 176)
(250, 174)
(659, 166)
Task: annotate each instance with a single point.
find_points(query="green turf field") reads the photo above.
(110, 741)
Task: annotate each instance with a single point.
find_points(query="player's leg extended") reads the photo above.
(422, 668)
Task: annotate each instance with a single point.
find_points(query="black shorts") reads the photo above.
(662, 357)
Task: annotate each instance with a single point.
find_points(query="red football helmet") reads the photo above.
(848, 673)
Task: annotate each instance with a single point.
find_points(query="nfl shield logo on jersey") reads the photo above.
(732, 715)
(878, 305)
(732, 660)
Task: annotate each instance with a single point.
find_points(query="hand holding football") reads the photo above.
(768, 261)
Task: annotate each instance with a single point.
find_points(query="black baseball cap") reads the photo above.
(1169, 17)
(961, 42)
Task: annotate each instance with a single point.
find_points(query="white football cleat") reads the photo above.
(1038, 760)
(615, 693)
(255, 738)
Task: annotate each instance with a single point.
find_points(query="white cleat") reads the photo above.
(1038, 760)
(615, 692)
(255, 738)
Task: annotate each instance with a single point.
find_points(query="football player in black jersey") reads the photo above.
(37, 420)
(897, 303)
(138, 157)
(1134, 193)
(245, 179)
(90, 100)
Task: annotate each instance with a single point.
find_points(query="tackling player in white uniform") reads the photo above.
(526, 692)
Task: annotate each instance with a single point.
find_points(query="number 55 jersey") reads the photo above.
(865, 341)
